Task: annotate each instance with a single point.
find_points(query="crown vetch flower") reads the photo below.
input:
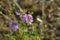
(27, 18)
(13, 25)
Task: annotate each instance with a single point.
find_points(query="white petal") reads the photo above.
(39, 19)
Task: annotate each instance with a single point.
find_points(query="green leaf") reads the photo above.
(10, 36)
